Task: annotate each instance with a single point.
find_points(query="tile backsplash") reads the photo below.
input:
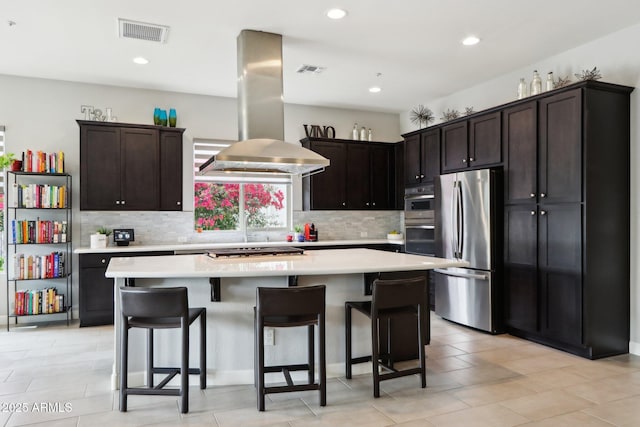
(153, 228)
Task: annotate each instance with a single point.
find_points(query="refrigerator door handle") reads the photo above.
(463, 275)
(460, 216)
(454, 223)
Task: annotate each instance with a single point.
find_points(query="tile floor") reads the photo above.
(473, 379)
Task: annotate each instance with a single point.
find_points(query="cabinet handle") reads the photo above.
(117, 202)
(421, 176)
(104, 261)
(178, 203)
(532, 195)
(543, 195)
(367, 203)
(543, 213)
(417, 177)
(344, 203)
(464, 160)
(471, 159)
(374, 203)
(533, 213)
(122, 202)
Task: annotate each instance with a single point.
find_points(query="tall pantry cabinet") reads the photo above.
(567, 219)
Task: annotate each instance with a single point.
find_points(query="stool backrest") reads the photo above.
(392, 294)
(154, 302)
(292, 301)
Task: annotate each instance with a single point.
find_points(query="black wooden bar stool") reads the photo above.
(289, 307)
(390, 298)
(160, 308)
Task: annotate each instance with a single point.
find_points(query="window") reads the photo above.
(232, 202)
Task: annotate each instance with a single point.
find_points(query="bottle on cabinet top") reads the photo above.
(549, 82)
(354, 132)
(363, 134)
(522, 89)
(536, 83)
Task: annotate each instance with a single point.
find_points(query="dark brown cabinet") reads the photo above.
(96, 291)
(472, 143)
(422, 157)
(130, 167)
(566, 231)
(359, 177)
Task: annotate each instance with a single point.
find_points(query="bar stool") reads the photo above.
(160, 308)
(289, 307)
(390, 298)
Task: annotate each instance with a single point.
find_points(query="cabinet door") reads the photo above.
(328, 189)
(430, 155)
(560, 168)
(485, 142)
(140, 158)
(519, 132)
(560, 265)
(171, 171)
(100, 168)
(521, 278)
(358, 177)
(454, 147)
(95, 291)
(412, 168)
(380, 176)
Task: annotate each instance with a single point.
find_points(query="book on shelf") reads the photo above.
(50, 266)
(38, 231)
(42, 162)
(38, 196)
(38, 301)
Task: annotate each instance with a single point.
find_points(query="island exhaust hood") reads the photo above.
(261, 147)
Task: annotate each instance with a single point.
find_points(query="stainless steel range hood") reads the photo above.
(261, 115)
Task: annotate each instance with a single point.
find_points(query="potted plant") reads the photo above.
(297, 235)
(100, 237)
(6, 160)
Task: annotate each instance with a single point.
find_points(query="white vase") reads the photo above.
(98, 241)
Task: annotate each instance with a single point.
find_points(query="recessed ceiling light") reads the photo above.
(336, 13)
(470, 41)
(140, 60)
(375, 89)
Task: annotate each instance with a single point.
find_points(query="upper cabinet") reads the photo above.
(130, 167)
(422, 157)
(472, 143)
(360, 176)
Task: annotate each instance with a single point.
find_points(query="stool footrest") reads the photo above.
(362, 359)
(289, 388)
(192, 371)
(396, 374)
(152, 391)
(280, 368)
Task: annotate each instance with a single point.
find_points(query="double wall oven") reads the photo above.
(419, 220)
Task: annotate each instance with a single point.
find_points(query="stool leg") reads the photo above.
(184, 366)
(347, 334)
(150, 357)
(375, 353)
(323, 361)
(124, 358)
(311, 350)
(203, 350)
(423, 368)
(260, 353)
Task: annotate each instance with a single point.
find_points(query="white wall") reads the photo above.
(616, 56)
(40, 114)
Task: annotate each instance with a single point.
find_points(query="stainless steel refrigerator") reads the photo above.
(469, 224)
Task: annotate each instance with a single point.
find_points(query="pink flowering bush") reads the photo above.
(217, 205)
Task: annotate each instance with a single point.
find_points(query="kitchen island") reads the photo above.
(230, 321)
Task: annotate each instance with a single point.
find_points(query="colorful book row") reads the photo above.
(39, 196)
(44, 301)
(37, 231)
(49, 266)
(41, 162)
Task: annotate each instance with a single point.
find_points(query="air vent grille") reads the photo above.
(309, 69)
(142, 31)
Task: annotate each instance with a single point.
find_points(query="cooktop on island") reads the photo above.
(245, 252)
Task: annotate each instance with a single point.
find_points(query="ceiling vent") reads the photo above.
(309, 69)
(142, 31)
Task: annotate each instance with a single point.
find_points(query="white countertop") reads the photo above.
(204, 246)
(324, 262)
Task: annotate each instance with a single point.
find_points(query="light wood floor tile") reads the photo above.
(547, 404)
(481, 416)
(623, 412)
